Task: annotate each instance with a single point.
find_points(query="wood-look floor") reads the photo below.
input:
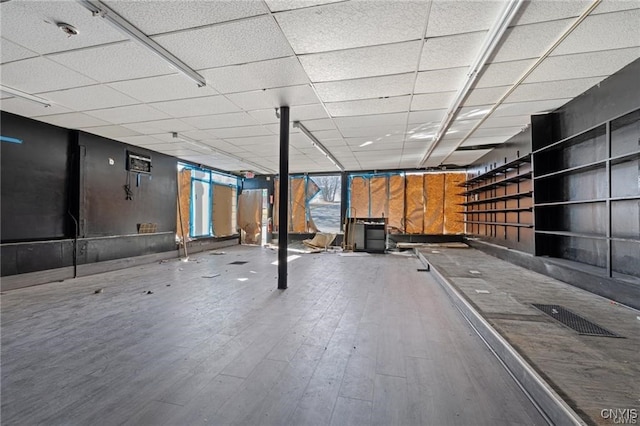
(354, 340)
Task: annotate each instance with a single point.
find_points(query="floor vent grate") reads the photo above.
(573, 321)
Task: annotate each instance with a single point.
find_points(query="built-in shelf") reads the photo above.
(513, 224)
(566, 203)
(498, 170)
(502, 182)
(505, 210)
(582, 168)
(573, 234)
(499, 198)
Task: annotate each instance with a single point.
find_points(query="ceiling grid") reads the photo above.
(372, 81)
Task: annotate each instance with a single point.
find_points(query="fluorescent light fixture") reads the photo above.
(98, 8)
(194, 142)
(488, 47)
(366, 143)
(25, 96)
(315, 142)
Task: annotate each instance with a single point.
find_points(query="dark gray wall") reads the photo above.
(104, 209)
(35, 181)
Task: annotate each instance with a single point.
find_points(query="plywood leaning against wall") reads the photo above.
(359, 191)
(453, 216)
(297, 205)
(379, 205)
(414, 204)
(184, 203)
(223, 211)
(396, 203)
(250, 216)
(434, 203)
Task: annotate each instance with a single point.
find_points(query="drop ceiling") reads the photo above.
(352, 72)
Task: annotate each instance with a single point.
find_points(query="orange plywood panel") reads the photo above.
(414, 205)
(250, 215)
(453, 217)
(434, 206)
(297, 207)
(184, 203)
(396, 202)
(223, 210)
(379, 196)
(359, 201)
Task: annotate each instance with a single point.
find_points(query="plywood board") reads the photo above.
(250, 215)
(379, 199)
(223, 210)
(297, 207)
(414, 201)
(396, 202)
(453, 217)
(359, 201)
(434, 205)
(184, 202)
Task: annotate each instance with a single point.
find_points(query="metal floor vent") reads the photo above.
(238, 262)
(573, 321)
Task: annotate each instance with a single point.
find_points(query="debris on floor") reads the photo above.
(354, 254)
(320, 241)
(149, 292)
(98, 291)
(431, 245)
(211, 276)
(216, 253)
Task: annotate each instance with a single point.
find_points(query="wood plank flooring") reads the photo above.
(354, 340)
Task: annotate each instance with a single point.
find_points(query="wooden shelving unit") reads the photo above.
(499, 202)
(587, 196)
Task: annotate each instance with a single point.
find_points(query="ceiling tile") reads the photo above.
(159, 126)
(514, 121)
(614, 6)
(552, 89)
(583, 65)
(347, 25)
(299, 113)
(603, 32)
(41, 19)
(40, 75)
(112, 132)
(10, 51)
(326, 135)
(535, 107)
(163, 88)
(451, 51)
(139, 140)
(194, 107)
(395, 119)
(497, 131)
(240, 132)
(454, 17)
(441, 80)
(539, 11)
(485, 96)
(155, 17)
(90, 97)
(274, 98)
(363, 62)
(430, 101)
(30, 109)
(369, 106)
(280, 5)
(486, 140)
(503, 73)
(113, 62)
(464, 158)
(72, 120)
(529, 41)
(275, 128)
(431, 116)
(268, 141)
(128, 114)
(219, 121)
(257, 75)
(237, 42)
(366, 88)
(376, 133)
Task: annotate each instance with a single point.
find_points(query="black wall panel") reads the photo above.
(34, 180)
(104, 209)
